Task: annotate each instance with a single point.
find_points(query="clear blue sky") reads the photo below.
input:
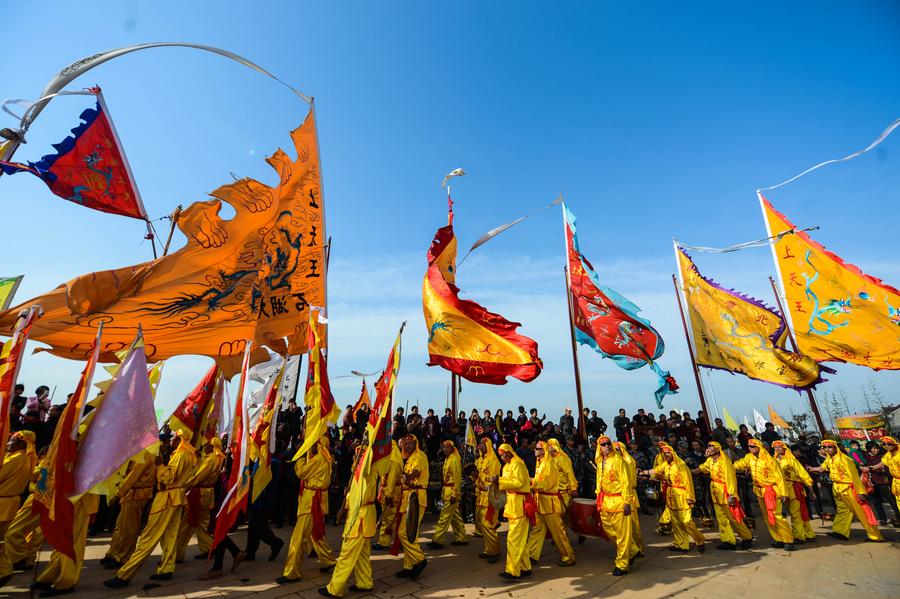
(655, 121)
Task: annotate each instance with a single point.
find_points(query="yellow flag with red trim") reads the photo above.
(838, 313)
(320, 405)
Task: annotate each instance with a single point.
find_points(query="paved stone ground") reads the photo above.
(826, 568)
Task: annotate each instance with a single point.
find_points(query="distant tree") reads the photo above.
(799, 422)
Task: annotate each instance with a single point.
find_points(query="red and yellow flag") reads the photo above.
(838, 313)
(262, 443)
(463, 337)
(10, 361)
(320, 405)
(193, 413)
(56, 477)
(362, 401)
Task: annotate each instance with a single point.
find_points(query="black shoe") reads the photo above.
(106, 559)
(777, 545)
(5, 579)
(838, 535)
(113, 565)
(525, 573)
(563, 564)
(417, 569)
(581, 539)
(115, 583)
(493, 559)
(632, 560)
(509, 577)
(355, 589)
(286, 580)
(788, 546)
(459, 543)
(701, 548)
(327, 568)
(811, 540)
(726, 546)
(746, 544)
(163, 576)
(53, 592)
(483, 555)
(619, 572)
(324, 592)
(312, 554)
(276, 549)
(378, 547)
(799, 541)
(677, 549)
(433, 545)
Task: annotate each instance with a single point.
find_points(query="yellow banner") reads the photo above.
(736, 333)
(838, 312)
(8, 287)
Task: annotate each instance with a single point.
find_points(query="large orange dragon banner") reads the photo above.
(251, 277)
(839, 313)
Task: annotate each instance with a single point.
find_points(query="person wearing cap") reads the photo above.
(414, 480)
(798, 481)
(678, 488)
(890, 461)
(133, 495)
(849, 494)
(201, 498)
(568, 483)
(389, 496)
(638, 538)
(614, 502)
(15, 472)
(770, 489)
(723, 491)
(514, 479)
(545, 487)
(355, 557)
(165, 514)
(314, 472)
(488, 466)
(451, 492)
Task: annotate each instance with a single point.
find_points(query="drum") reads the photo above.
(585, 519)
(412, 518)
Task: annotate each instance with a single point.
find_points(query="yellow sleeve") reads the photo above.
(730, 480)
(858, 487)
(137, 469)
(706, 466)
(743, 463)
(780, 484)
(625, 474)
(456, 473)
(688, 482)
(802, 474)
(203, 470)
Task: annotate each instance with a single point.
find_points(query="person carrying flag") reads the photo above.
(797, 481)
(545, 487)
(201, 498)
(770, 489)
(389, 496)
(132, 495)
(514, 479)
(488, 466)
(724, 495)
(451, 492)
(414, 481)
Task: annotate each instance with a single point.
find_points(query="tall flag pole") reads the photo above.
(687, 338)
(581, 429)
(813, 405)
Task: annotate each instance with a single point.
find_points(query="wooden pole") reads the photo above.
(809, 394)
(174, 218)
(581, 428)
(687, 338)
(454, 394)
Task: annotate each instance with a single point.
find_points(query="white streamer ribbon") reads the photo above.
(742, 246)
(497, 230)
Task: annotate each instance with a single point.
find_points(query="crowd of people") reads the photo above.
(673, 466)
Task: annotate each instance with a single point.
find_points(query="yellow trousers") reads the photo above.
(301, 540)
(781, 532)
(128, 527)
(637, 537)
(162, 528)
(620, 530)
(186, 531)
(666, 516)
(385, 532)
(488, 530)
(847, 509)
(802, 529)
(517, 547)
(684, 529)
(354, 559)
(728, 526)
(62, 572)
(23, 537)
(412, 553)
(6, 568)
(449, 517)
(553, 523)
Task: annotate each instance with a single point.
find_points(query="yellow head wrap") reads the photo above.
(554, 445)
(889, 439)
(28, 438)
(715, 444)
(506, 448)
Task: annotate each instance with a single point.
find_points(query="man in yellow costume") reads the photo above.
(355, 557)
(24, 537)
(201, 498)
(15, 473)
(133, 495)
(770, 489)
(545, 487)
(797, 480)
(614, 502)
(514, 479)
(451, 492)
(488, 466)
(165, 514)
(890, 461)
(389, 496)
(622, 450)
(724, 494)
(314, 472)
(414, 481)
(568, 484)
(849, 494)
(62, 574)
(678, 486)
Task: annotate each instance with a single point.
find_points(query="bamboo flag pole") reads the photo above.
(687, 338)
(581, 428)
(790, 333)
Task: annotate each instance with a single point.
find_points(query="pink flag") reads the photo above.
(123, 425)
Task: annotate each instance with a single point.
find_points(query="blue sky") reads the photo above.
(654, 120)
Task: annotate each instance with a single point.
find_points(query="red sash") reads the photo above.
(770, 501)
(800, 494)
(867, 509)
(395, 546)
(193, 507)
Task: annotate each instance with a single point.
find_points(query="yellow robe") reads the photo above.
(355, 557)
(451, 492)
(15, 473)
(204, 480)
(614, 492)
(486, 517)
(314, 473)
(134, 493)
(392, 492)
(515, 481)
(846, 486)
(61, 572)
(766, 473)
(635, 504)
(891, 461)
(545, 487)
(568, 483)
(679, 491)
(417, 460)
(795, 474)
(722, 485)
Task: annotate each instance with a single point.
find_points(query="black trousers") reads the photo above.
(219, 553)
(881, 496)
(258, 530)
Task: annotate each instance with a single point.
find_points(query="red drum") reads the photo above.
(585, 519)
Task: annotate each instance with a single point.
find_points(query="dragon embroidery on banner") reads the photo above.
(834, 307)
